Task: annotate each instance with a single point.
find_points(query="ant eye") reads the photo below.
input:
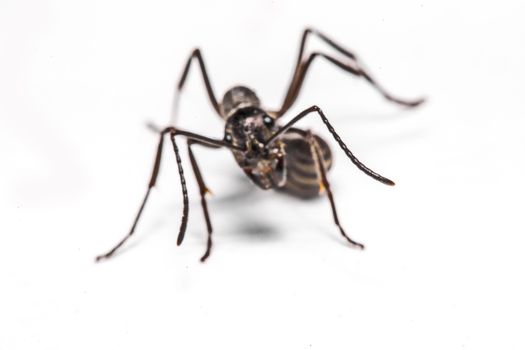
(228, 138)
(268, 121)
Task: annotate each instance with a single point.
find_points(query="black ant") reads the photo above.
(286, 158)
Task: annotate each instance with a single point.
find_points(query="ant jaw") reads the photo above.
(267, 173)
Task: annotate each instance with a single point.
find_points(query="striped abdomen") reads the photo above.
(302, 179)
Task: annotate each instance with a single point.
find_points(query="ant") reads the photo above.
(285, 158)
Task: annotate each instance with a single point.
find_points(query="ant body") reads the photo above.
(273, 157)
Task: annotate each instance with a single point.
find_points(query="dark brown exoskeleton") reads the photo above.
(285, 158)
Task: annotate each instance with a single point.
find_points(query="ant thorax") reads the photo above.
(237, 98)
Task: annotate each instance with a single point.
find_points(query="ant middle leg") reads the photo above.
(300, 58)
(155, 172)
(196, 53)
(324, 38)
(352, 67)
(151, 184)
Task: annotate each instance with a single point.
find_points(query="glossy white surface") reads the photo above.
(443, 267)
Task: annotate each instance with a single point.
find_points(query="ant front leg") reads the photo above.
(153, 180)
(321, 171)
(206, 141)
(203, 189)
(352, 67)
(156, 168)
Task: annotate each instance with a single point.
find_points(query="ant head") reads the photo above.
(249, 128)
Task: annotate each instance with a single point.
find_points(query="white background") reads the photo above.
(443, 267)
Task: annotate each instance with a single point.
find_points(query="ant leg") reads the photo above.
(324, 38)
(299, 64)
(352, 67)
(349, 154)
(156, 167)
(206, 141)
(195, 54)
(185, 201)
(153, 180)
(326, 185)
(203, 191)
